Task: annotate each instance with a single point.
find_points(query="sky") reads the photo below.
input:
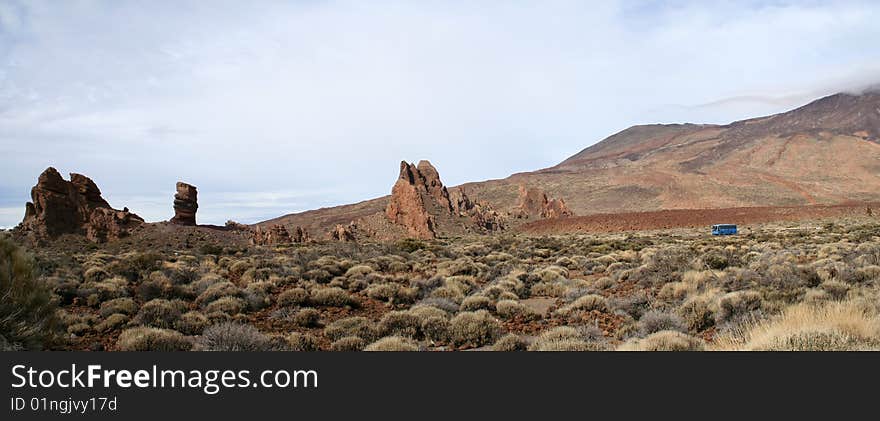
(278, 107)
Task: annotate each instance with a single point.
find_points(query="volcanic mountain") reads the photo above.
(826, 152)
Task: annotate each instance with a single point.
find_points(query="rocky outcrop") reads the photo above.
(185, 204)
(279, 234)
(481, 213)
(533, 203)
(343, 233)
(419, 199)
(412, 194)
(60, 207)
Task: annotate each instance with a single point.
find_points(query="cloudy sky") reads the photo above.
(271, 108)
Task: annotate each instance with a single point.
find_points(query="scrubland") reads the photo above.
(795, 286)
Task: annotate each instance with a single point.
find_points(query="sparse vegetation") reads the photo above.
(771, 289)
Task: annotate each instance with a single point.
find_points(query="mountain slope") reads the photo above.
(825, 152)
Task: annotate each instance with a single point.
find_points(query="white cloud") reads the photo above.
(330, 96)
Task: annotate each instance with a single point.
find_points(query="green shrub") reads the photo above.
(27, 311)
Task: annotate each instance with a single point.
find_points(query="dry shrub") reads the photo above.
(697, 313)
(836, 290)
(332, 297)
(476, 302)
(358, 270)
(435, 328)
(393, 343)
(228, 305)
(125, 306)
(302, 342)
(734, 306)
(510, 342)
(656, 321)
(152, 339)
(586, 303)
(392, 293)
(217, 291)
(351, 326)
(566, 338)
(307, 317)
(112, 322)
(833, 326)
(634, 305)
(510, 309)
(192, 323)
(348, 344)
(474, 328)
(293, 297)
(400, 323)
(160, 313)
(664, 340)
(233, 337)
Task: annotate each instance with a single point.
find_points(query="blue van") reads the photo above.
(723, 229)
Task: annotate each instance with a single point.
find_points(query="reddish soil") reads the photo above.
(692, 218)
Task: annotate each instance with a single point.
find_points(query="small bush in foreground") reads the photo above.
(664, 340)
(393, 343)
(152, 339)
(474, 328)
(348, 344)
(233, 337)
(27, 312)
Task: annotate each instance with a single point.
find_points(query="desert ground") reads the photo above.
(807, 284)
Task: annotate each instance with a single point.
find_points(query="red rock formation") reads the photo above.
(279, 234)
(343, 233)
(409, 196)
(276, 234)
(533, 203)
(482, 214)
(185, 204)
(299, 235)
(419, 200)
(74, 207)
